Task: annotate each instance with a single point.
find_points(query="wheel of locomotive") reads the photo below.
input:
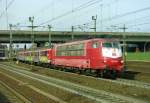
(61, 68)
(113, 74)
(52, 66)
(100, 73)
(105, 73)
(87, 72)
(73, 69)
(79, 71)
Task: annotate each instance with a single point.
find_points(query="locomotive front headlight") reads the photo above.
(105, 61)
(122, 61)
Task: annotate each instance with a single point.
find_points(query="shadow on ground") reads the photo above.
(129, 75)
(3, 99)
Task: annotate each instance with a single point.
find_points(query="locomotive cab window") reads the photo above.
(107, 44)
(95, 45)
(116, 45)
(111, 45)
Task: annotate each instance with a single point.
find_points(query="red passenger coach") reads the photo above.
(104, 56)
(49, 55)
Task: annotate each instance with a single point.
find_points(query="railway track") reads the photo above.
(17, 97)
(136, 65)
(94, 94)
(119, 81)
(133, 83)
(26, 99)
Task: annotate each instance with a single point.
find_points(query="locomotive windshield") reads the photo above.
(107, 45)
(111, 49)
(111, 45)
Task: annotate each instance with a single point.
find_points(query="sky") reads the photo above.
(63, 14)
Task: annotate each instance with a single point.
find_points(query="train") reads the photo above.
(100, 56)
(3, 52)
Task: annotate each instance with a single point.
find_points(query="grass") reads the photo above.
(138, 56)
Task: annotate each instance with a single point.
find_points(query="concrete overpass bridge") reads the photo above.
(40, 37)
(21, 36)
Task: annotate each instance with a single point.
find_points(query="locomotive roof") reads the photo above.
(36, 50)
(69, 43)
(85, 41)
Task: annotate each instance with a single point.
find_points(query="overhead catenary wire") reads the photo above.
(131, 26)
(126, 14)
(122, 15)
(85, 5)
(54, 18)
(140, 24)
(78, 15)
(136, 19)
(130, 22)
(69, 12)
(10, 3)
(43, 9)
(80, 7)
(7, 7)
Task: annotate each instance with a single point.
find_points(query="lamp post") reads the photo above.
(10, 41)
(31, 19)
(94, 18)
(72, 35)
(50, 38)
(124, 45)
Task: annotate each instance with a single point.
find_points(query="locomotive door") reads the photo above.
(94, 54)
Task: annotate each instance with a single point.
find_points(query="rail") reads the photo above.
(94, 94)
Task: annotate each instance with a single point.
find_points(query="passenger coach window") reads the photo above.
(70, 50)
(44, 53)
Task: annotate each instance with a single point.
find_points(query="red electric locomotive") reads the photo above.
(104, 56)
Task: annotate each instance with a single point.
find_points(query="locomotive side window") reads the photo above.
(70, 50)
(111, 44)
(115, 45)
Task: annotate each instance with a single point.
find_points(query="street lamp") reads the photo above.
(124, 44)
(10, 41)
(31, 19)
(72, 30)
(94, 18)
